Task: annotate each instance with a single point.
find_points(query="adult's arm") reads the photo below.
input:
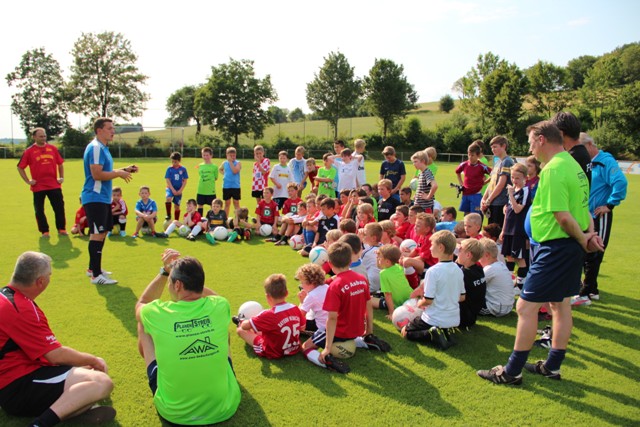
(100, 175)
(60, 173)
(25, 178)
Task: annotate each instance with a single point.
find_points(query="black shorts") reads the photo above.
(205, 200)
(32, 394)
(257, 194)
(383, 303)
(280, 201)
(231, 193)
(99, 217)
(514, 246)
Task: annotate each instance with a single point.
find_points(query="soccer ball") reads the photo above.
(343, 349)
(296, 242)
(265, 230)
(145, 231)
(407, 246)
(403, 315)
(318, 255)
(413, 184)
(183, 231)
(249, 309)
(220, 233)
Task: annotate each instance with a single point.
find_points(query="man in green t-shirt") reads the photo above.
(561, 223)
(185, 345)
(208, 173)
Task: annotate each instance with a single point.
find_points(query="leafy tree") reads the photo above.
(105, 80)
(446, 104)
(470, 84)
(547, 88)
(577, 70)
(180, 106)
(334, 90)
(389, 95)
(599, 90)
(296, 115)
(502, 95)
(231, 101)
(277, 114)
(630, 63)
(627, 110)
(75, 138)
(413, 132)
(40, 101)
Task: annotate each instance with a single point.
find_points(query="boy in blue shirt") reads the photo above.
(230, 170)
(176, 177)
(146, 213)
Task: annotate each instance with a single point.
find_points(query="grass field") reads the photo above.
(411, 385)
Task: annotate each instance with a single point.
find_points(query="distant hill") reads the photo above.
(15, 141)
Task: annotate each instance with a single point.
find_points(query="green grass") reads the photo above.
(412, 385)
(347, 128)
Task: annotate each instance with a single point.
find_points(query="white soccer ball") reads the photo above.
(145, 231)
(403, 315)
(407, 246)
(220, 233)
(296, 242)
(318, 255)
(249, 309)
(413, 184)
(184, 231)
(265, 230)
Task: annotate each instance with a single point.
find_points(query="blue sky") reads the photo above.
(436, 41)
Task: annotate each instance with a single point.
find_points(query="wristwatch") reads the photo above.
(163, 272)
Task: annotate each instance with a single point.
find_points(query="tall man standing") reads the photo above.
(96, 195)
(561, 223)
(608, 189)
(38, 375)
(47, 175)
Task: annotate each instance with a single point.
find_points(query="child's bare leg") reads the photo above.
(227, 206)
(247, 335)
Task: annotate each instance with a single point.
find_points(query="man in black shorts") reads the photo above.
(561, 223)
(39, 376)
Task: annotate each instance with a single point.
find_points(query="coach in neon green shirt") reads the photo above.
(185, 345)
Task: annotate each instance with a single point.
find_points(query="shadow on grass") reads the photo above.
(121, 302)
(595, 329)
(249, 413)
(60, 252)
(574, 396)
(612, 363)
(481, 347)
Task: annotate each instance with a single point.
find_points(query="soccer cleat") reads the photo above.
(103, 280)
(235, 320)
(191, 238)
(271, 240)
(543, 342)
(168, 217)
(438, 337)
(578, 300)
(46, 234)
(594, 297)
(123, 233)
(498, 375)
(63, 232)
(334, 364)
(545, 331)
(161, 235)
(95, 415)
(232, 236)
(539, 368)
(104, 273)
(375, 343)
(247, 235)
(134, 236)
(280, 243)
(210, 238)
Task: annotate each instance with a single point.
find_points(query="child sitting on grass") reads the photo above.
(267, 211)
(81, 222)
(388, 233)
(475, 285)
(443, 290)
(291, 225)
(355, 243)
(393, 283)
(371, 240)
(274, 333)
(402, 223)
(146, 213)
(191, 219)
(499, 296)
(241, 225)
(216, 217)
(473, 225)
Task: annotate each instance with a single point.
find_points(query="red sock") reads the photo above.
(176, 214)
(167, 205)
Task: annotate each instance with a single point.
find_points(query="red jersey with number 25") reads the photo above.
(347, 295)
(280, 328)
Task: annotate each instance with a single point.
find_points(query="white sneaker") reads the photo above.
(594, 297)
(578, 300)
(104, 273)
(103, 280)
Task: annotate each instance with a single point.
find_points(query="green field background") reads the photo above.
(411, 385)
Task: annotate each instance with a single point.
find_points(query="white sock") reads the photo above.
(314, 357)
(171, 228)
(360, 343)
(409, 270)
(196, 230)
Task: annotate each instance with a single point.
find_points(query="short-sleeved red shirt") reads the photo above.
(28, 327)
(267, 211)
(291, 205)
(280, 328)
(43, 164)
(424, 250)
(347, 295)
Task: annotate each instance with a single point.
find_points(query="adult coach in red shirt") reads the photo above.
(47, 175)
(39, 376)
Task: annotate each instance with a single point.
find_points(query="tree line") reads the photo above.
(495, 96)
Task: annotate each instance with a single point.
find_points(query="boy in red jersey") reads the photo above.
(267, 210)
(274, 333)
(289, 209)
(348, 303)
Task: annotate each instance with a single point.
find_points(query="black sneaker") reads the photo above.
(161, 235)
(235, 320)
(438, 337)
(498, 375)
(375, 343)
(191, 238)
(543, 342)
(335, 364)
(448, 334)
(539, 368)
(95, 415)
